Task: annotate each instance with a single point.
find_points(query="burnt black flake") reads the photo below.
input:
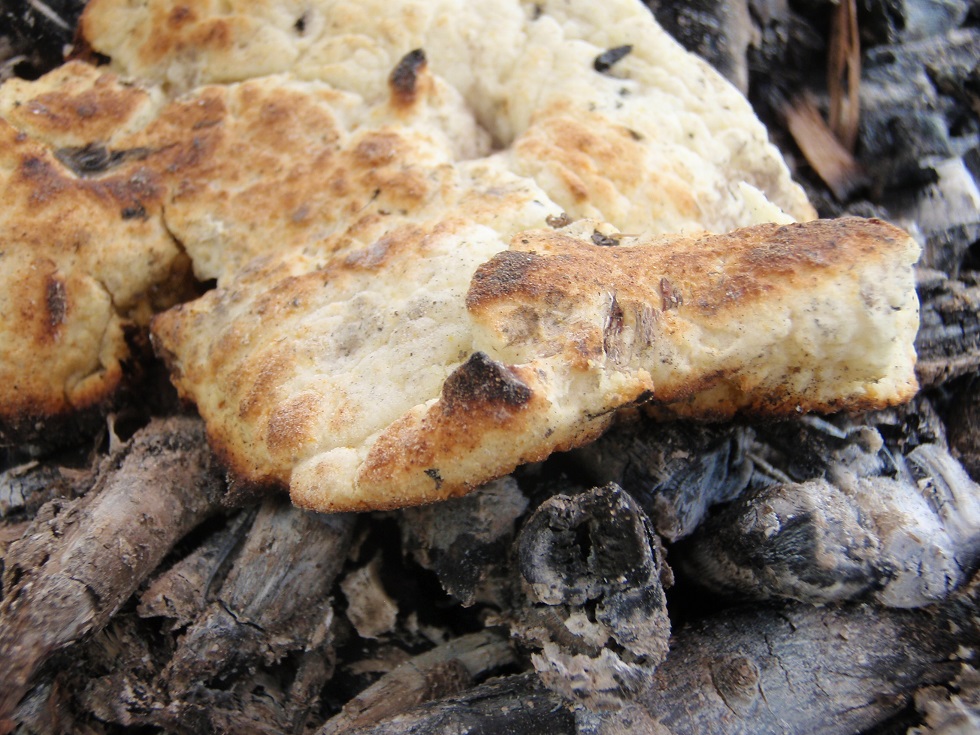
(135, 211)
(404, 77)
(604, 241)
(605, 61)
(482, 380)
(95, 158)
(558, 221)
(436, 477)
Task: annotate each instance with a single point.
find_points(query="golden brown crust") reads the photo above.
(77, 105)
(684, 290)
(80, 260)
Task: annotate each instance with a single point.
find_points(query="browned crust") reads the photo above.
(83, 105)
(68, 304)
(524, 295)
(552, 268)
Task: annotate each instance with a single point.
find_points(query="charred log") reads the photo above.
(274, 603)
(592, 570)
(902, 527)
(181, 592)
(676, 471)
(796, 668)
(719, 31)
(799, 669)
(466, 540)
(948, 342)
(963, 425)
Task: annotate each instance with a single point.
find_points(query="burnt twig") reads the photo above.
(81, 561)
(445, 670)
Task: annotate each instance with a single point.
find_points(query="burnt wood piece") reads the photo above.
(28, 486)
(274, 603)
(718, 31)
(512, 705)
(901, 526)
(900, 21)
(181, 592)
(833, 162)
(948, 342)
(81, 560)
(466, 540)
(963, 425)
(916, 109)
(946, 213)
(42, 30)
(127, 692)
(593, 575)
(446, 670)
(676, 471)
(951, 709)
(832, 670)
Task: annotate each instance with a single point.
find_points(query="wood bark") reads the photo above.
(445, 670)
(948, 343)
(80, 561)
(799, 669)
(274, 603)
(779, 669)
(514, 705)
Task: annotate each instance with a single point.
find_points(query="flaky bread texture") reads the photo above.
(771, 320)
(112, 195)
(318, 130)
(367, 183)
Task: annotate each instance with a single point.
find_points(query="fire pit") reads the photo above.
(707, 560)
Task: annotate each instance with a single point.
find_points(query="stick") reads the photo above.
(80, 562)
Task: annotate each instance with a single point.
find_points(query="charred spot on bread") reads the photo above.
(607, 59)
(404, 77)
(484, 384)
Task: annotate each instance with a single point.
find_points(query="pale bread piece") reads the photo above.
(304, 356)
(659, 142)
(100, 221)
(276, 164)
(361, 382)
(772, 319)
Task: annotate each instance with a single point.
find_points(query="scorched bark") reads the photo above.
(79, 562)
